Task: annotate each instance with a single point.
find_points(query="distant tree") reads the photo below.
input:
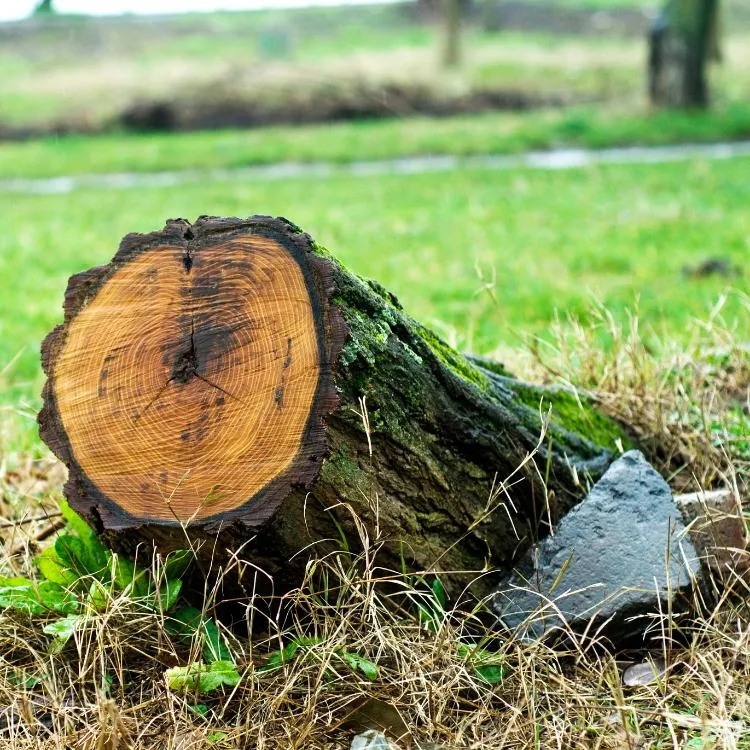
(454, 12)
(684, 37)
(44, 7)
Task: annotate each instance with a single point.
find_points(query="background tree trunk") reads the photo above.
(681, 41)
(229, 381)
(452, 14)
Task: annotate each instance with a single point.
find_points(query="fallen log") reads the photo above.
(230, 384)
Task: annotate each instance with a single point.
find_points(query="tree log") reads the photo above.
(230, 383)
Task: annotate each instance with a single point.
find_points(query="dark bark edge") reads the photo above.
(99, 509)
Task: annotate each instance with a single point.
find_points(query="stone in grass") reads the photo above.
(718, 530)
(617, 558)
(372, 740)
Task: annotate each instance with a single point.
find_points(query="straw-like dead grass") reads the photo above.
(107, 688)
(687, 404)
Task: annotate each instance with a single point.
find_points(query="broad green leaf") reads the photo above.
(98, 596)
(37, 599)
(358, 663)
(177, 563)
(184, 621)
(203, 678)
(128, 576)
(169, 593)
(15, 581)
(187, 620)
(278, 658)
(75, 521)
(494, 674)
(93, 556)
(84, 556)
(21, 679)
(216, 648)
(22, 598)
(485, 664)
(56, 598)
(54, 569)
(62, 630)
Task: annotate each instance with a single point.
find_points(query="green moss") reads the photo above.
(573, 413)
(492, 365)
(368, 336)
(453, 360)
(341, 464)
(388, 297)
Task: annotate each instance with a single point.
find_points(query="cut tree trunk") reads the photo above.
(230, 383)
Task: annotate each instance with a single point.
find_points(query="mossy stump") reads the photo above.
(230, 383)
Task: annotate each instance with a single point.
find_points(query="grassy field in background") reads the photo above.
(551, 240)
(491, 133)
(110, 75)
(285, 63)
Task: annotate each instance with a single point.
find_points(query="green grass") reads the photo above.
(555, 240)
(492, 133)
(122, 64)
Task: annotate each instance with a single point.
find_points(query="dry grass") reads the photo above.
(686, 403)
(107, 688)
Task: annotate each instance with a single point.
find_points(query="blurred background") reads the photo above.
(498, 164)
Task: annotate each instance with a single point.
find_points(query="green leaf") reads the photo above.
(21, 679)
(203, 678)
(439, 593)
(216, 648)
(169, 593)
(188, 620)
(485, 664)
(84, 556)
(75, 521)
(37, 599)
(6, 582)
(54, 569)
(494, 674)
(358, 663)
(22, 598)
(127, 576)
(62, 630)
(98, 596)
(278, 658)
(177, 563)
(55, 598)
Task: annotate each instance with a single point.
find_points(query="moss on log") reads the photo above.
(231, 382)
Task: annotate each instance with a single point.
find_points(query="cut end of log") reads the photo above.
(192, 376)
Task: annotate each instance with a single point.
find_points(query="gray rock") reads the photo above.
(372, 740)
(645, 673)
(620, 554)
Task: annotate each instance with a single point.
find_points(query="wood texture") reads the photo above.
(230, 382)
(189, 380)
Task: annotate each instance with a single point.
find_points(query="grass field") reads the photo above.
(298, 65)
(490, 133)
(485, 257)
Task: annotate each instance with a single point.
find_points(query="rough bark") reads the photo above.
(682, 40)
(427, 447)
